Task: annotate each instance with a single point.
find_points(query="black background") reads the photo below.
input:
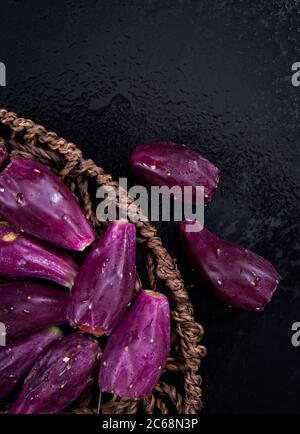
(212, 74)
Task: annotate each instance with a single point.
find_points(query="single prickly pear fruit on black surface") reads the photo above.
(137, 350)
(59, 376)
(238, 276)
(26, 307)
(172, 164)
(36, 201)
(105, 284)
(17, 359)
(22, 257)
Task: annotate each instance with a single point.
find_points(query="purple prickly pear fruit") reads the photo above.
(137, 349)
(3, 154)
(36, 201)
(238, 276)
(22, 256)
(105, 283)
(17, 359)
(172, 164)
(59, 376)
(27, 307)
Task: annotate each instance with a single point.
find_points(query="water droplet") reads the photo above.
(90, 306)
(219, 251)
(220, 282)
(151, 341)
(2, 190)
(153, 166)
(253, 283)
(66, 217)
(169, 173)
(26, 311)
(29, 297)
(55, 198)
(131, 386)
(36, 170)
(104, 363)
(20, 199)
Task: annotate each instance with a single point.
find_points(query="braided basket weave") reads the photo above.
(27, 139)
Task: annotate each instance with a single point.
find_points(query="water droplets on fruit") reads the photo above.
(55, 198)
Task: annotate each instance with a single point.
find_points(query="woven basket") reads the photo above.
(27, 139)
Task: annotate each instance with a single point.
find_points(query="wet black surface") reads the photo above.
(212, 74)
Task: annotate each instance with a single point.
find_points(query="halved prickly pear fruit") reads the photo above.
(59, 376)
(36, 201)
(22, 257)
(238, 276)
(105, 284)
(26, 307)
(172, 164)
(17, 359)
(137, 350)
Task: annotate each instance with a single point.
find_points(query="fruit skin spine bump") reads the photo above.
(59, 376)
(17, 359)
(38, 202)
(236, 275)
(137, 350)
(105, 284)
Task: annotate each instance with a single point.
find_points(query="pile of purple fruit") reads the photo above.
(42, 220)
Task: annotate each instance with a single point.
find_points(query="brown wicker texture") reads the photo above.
(30, 140)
